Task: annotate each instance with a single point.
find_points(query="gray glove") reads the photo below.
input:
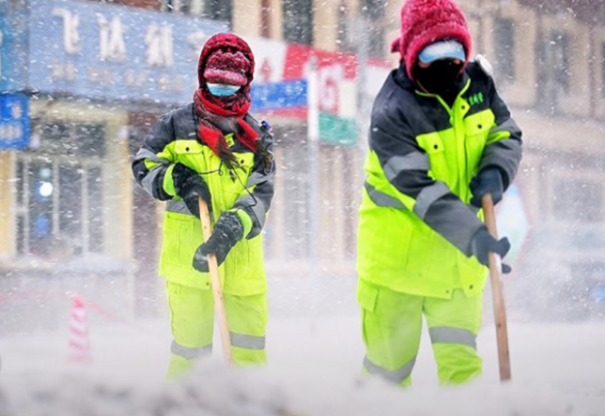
(483, 243)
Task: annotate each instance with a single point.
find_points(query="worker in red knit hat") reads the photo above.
(441, 138)
(213, 149)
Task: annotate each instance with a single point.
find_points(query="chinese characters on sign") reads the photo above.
(71, 38)
(105, 51)
(112, 47)
(14, 121)
(159, 46)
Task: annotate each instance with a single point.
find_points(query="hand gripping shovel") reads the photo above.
(495, 266)
(215, 280)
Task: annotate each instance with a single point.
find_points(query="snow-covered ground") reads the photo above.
(314, 369)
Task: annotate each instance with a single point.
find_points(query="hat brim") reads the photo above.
(442, 50)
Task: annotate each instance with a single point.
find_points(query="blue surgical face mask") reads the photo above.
(223, 90)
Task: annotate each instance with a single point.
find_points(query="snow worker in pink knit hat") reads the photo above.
(213, 149)
(441, 138)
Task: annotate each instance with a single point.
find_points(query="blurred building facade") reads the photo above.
(82, 79)
(548, 64)
(285, 36)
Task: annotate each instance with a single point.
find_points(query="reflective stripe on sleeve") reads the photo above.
(429, 195)
(178, 206)
(148, 154)
(249, 342)
(412, 161)
(394, 376)
(148, 181)
(189, 353)
(451, 335)
(256, 178)
(257, 207)
(509, 125)
(381, 199)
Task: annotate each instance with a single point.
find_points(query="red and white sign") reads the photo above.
(277, 61)
(337, 72)
(270, 57)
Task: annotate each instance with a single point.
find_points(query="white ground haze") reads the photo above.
(314, 369)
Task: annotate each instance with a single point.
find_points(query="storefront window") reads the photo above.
(504, 43)
(89, 140)
(553, 59)
(219, 9)
(41, 182)
(95, 210)
(70, 206)
(374, 11)
(561, 61)
(298, 21)
(59, 188)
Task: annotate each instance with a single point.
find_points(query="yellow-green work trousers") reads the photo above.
(192, 322)
(392, 326)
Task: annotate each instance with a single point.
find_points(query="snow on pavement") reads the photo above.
(314, 369)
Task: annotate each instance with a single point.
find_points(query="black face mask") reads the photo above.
(441, 77)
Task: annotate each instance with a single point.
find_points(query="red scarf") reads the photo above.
(206, 111)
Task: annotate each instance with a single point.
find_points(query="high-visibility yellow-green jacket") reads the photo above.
(247, 190)
(416, 224)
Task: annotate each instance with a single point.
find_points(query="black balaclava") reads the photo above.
(443, 77)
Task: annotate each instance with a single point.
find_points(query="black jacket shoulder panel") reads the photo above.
(184, 122)
(177, 124)
(480, 91)
(476, 73)
(398, 102)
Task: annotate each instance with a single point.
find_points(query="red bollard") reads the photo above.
(79, 341)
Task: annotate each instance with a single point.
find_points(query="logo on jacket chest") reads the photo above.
(475, 99)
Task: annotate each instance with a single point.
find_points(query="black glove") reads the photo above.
(488, 182)
(483, 243)
(228, 230)
(189, 185)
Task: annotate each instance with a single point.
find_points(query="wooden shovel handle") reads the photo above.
(495, 267)
(215, 280)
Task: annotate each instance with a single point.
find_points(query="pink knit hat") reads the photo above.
(426, 21)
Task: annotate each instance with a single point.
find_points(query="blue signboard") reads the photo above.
(14, 121)
(13, 47)
(111, 52)
(279, 96)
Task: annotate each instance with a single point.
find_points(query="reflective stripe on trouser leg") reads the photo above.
(190, 353)
(453, 325)
(249, 342)
(394, 376)
(192, 315)
(451, 335)
(392, 325)
(182, 358)
(247, 319)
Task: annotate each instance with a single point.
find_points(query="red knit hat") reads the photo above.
(230, 46)
(226, 58)
(426, 21)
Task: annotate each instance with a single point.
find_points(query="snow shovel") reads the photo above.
(495, 266)
(215, 280)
